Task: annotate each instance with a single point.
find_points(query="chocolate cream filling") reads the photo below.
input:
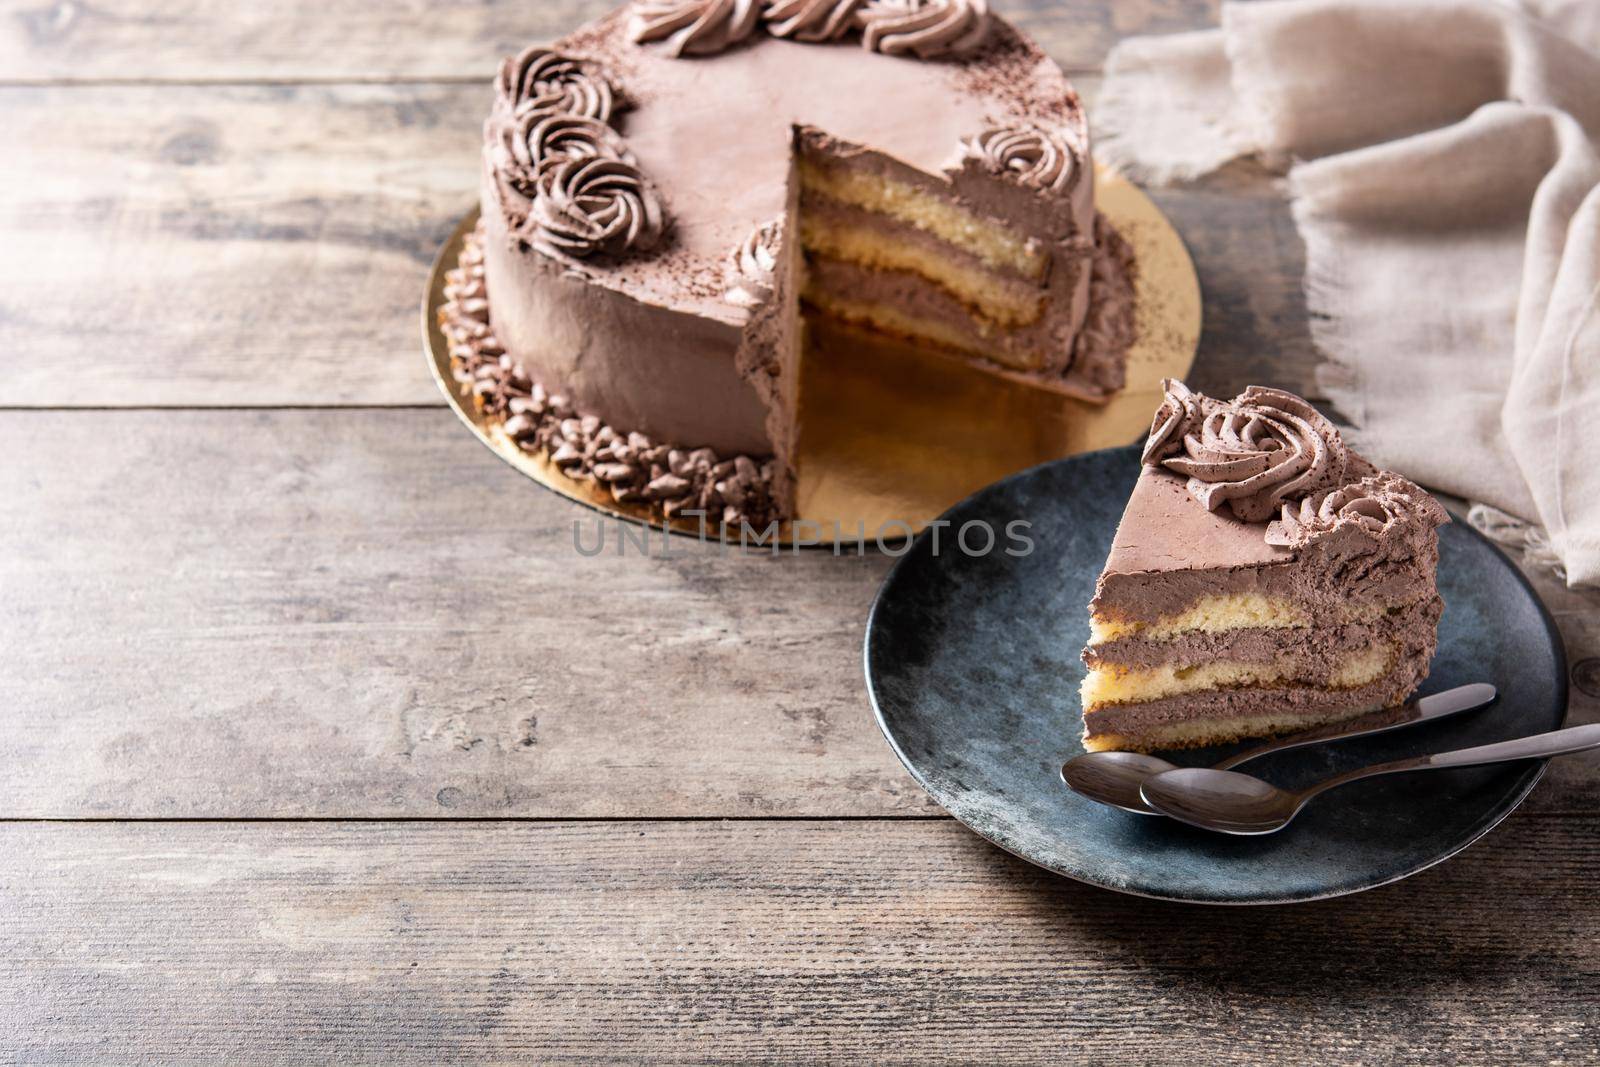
(842, 231)
(1278, 704)
(1411, 626)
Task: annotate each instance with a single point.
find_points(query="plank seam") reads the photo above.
(560, 819)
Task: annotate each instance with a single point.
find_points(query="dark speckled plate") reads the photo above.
(972, 664)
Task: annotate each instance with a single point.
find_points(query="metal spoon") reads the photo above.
(1114, 778)
(1234, 803)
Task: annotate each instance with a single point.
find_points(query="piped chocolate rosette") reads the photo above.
(927, 29)
(564, 173)
(752, 267)
(1264, 578)
(1254, 453)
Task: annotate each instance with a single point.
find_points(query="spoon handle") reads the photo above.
(1425, 709)
(1536, 746)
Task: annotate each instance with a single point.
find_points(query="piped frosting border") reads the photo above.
(668, 480)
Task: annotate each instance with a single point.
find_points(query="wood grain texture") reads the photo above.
(296, 40)
(846, 942)
(1251, 262)
(225, 246)
(363, 613)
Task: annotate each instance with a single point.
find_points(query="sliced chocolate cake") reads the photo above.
(671, 192)
(1264, 578)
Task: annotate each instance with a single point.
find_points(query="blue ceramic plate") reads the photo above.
(972, 664)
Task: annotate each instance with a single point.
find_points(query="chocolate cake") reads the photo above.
(1264, 578)
(670, 190)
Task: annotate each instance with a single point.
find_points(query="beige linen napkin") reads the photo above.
(1443, 163)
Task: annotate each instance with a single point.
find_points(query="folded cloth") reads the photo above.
(1443, 157)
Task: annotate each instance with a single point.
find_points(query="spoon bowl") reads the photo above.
(1227, 801)
(1114, 778)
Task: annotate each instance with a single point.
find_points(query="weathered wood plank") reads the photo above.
(268, 246)
(363, 613)
(257, 246)
(1251, 263)
(61, 40)
(852, 942)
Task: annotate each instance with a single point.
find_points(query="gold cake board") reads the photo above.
(893, 433)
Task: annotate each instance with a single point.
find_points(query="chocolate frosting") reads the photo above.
(1110, 324)
(1030, 156)
(694, 27)
(929, 29)
(564, 177)
(1255, 452)
(584, 206)
(1367, 514)
(1370, 535)
(1180, 409)
(540, 81)
(631, 466)
(811, 20)
(651, 342)
(753, 265)
(535, 142)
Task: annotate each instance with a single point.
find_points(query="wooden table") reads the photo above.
(320, 743)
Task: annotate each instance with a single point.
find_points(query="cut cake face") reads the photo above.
(1264, 578)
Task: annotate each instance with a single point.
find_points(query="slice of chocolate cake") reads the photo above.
(1264, 578)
